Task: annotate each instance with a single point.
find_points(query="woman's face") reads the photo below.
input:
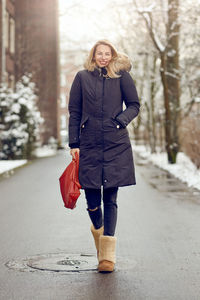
(103, 55)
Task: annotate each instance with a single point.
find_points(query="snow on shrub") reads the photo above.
(19, 120)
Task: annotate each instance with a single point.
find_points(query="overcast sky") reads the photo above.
(87, 21)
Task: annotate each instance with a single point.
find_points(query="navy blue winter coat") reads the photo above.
(97, 125)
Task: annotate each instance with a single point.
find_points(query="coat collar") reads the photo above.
(100, 72)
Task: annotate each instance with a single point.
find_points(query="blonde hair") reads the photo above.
(119, 61)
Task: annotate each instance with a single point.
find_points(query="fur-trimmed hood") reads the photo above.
(121, 63)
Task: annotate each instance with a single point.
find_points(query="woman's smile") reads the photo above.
(103, 55)
(103, 62)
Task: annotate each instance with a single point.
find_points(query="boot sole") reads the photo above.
(106, 267)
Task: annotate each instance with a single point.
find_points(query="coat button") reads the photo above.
(105, 180)
(83, 126)
(118, 126)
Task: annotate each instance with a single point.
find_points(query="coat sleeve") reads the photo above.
(130, 97)
(75, 112)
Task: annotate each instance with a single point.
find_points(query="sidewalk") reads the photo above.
(184, 169)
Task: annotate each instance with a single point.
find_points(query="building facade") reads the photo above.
(37, 52)
(30, 45)
(7, 42)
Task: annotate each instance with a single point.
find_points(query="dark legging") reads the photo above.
(93, 197)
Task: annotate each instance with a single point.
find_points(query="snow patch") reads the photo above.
(44, 151)
(197, 99)
(184, 169)
(7, 165)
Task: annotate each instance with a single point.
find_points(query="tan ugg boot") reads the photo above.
(96, 234)
(107, 258)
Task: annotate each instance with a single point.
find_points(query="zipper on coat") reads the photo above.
(103, 84)
(103, 133)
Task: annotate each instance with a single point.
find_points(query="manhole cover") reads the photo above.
(55, 262)
(63, 263)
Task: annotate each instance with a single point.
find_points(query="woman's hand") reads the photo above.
(73, 151)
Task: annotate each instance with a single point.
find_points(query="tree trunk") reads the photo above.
(153, 122)
(168, 139)
(170, 80)
(172, 77)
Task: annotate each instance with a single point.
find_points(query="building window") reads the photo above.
(63, 121)
(62, 100)
(12, 35)
(7, 24)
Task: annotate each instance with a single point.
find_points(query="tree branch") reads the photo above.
(147, 16)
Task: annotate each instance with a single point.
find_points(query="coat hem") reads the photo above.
(107, 187)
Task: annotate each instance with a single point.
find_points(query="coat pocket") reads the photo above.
(87, 133)
(83, 122)
(116, 124)
(119, 130)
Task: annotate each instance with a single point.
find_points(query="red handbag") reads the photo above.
(69, 184)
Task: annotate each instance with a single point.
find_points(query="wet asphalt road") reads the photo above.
(158, 233)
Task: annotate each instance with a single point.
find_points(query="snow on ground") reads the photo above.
(184, 169)
(44, 151)
(7, 165)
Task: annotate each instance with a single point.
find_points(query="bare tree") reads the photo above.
(169, 71)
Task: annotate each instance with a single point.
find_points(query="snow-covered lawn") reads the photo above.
(7, 165)
(184, 169)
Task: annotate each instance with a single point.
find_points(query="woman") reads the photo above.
(97, 131)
